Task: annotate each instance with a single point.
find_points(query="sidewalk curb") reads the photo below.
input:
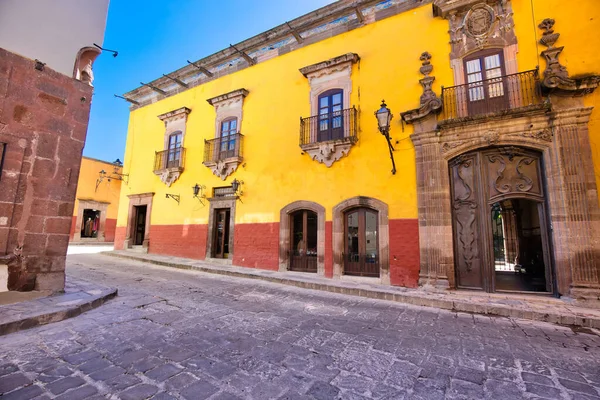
(424, 299)
(57, 314)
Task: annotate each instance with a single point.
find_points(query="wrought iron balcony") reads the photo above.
(337, 126)
(223, 148)
(503, 94)
(169, 159)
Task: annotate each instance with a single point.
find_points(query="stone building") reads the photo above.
(484, 179)
(46, 54)
(97, 201)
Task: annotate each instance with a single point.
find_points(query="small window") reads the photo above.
(485, 77)
(174, 149)
(228, 138)
(331, 120)
(2, 151)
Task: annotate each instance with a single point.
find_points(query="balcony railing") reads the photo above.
(491, 96)
(339, 125)
(223, 148)
(167, 159)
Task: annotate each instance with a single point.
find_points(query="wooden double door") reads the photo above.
(500, 229)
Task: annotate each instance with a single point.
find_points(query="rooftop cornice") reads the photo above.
(442, 8)
(222, 97)
(323, 23)
(332, 62)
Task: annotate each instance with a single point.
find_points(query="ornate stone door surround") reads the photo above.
(219, 203)
(138, 200)
(92, 205)
(284, 233)
(383, 235)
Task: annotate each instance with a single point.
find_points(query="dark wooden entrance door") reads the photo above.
(487, 91)
(140, 225)
(304, 241)
(221, 229)
(361, 257)
(331, 120)
(499, 220)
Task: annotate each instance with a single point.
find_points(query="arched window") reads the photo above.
(174, 149)
(303, 241)
(228, 135)
(331, 124)
(361, 243)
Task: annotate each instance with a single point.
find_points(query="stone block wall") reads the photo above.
(43, 125)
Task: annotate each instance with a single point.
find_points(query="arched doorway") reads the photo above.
(499, 224)
(361, 256)
(303, 251)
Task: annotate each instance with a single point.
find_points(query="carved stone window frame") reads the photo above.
(227, 106)
(140, 199)
(85, 204)
(339, 212)
(285, 234)
(175, 121)
(335, 73)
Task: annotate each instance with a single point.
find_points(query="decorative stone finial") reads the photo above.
(556, 78)
(548, 36)
(429, 103)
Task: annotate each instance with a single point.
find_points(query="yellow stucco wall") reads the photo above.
(275, 172)
(108, 192)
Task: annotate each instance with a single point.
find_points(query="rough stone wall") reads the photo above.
(43, 122)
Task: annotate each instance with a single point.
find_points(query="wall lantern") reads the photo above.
(235, 185)
(199, 192)
(116, 174)
(384, 117)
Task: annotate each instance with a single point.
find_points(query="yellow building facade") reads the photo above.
(96, 202)
(268, 153)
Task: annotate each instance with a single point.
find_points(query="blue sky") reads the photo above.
(154, 37)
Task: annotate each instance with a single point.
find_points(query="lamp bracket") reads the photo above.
(175, 197)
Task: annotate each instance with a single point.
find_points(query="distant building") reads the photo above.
(494, 137)
(96, 202)
(47, 49)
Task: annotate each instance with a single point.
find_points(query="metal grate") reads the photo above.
(224, 191)
(490, 96)
(172, 158)
(339, 125)
(223, 147)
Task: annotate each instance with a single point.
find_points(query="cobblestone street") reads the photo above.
(173, 334)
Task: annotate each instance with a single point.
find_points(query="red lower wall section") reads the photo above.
(109, 230)
(404, 252)
(187, 241)
(120, 235)
(257, 245)
(73, 223)
(328, 249)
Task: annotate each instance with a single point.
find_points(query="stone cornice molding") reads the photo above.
(430, 103)
(443, 8)
(329, 66)
(175, 114)
(140, 195)
(92, 200)
(556, 78)
(235, 96)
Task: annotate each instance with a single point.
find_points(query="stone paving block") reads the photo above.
(323, 391)
(107, 373)
(543, 391)
(578, 387)
(225, 396)
(163, 396)
(180, 381)
(138, 392)
(536, 378)
(81, 393)
(81, 357)
(65, 384)
(163, 372)
(6, 369)
(26, 393)
(199, 390)
(12, 381)
(93, 365)
(121, 382)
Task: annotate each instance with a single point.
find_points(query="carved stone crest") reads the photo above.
(479, 20)
(491, 137)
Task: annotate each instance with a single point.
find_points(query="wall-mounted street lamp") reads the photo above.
(175, 197)
(384, 117)
(236, 186)
(199, 192)
(116, 175)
